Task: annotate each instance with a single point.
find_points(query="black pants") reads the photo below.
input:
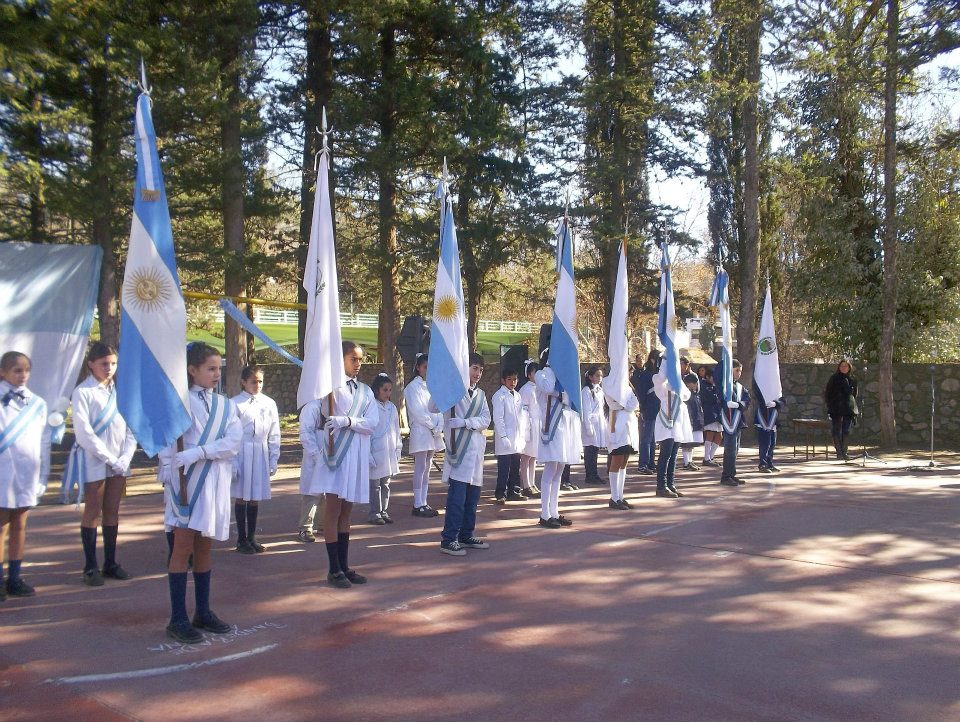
(508, 475)
(590, 462)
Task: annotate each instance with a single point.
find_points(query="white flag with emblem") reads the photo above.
(766, 368)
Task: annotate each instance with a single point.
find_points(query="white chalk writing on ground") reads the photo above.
(215, 640)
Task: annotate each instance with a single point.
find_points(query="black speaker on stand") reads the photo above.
(414, 338)
(546, 330)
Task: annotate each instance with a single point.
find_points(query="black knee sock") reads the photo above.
(240, 512)
(201, 591)
(343, 548)
(178, 597)
(169, 546)
(88, 535)
(110, 545)
(252, 521)
(334, 556)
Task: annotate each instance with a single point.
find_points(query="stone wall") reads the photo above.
(803, 386)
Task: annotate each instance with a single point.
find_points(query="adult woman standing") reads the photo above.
(841, 398)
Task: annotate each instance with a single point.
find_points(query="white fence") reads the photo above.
(369, 320)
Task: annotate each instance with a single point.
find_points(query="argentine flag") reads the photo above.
(564, 358)
(667, 324)
(720, 299)
(448, 372)
(152, 385)
(617, 385)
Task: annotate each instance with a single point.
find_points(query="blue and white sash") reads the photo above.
(217, 419)
(75, 472)
(767, 418)
(460, 438)
(554, 414)
(20, 423)
(673, 409)
(730, 418)
(343, 438)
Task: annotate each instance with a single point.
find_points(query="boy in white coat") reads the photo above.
(560, 444)
(463, 429)
(672, 429)
(507, 438)
(384, 451)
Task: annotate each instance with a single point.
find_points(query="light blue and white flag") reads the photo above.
(720, 299)
(766, 366)
(322, 343)
(448, 373)
(48, 293)
(152, 382)
(564, 357)
(617, 384)
(254, 330)
(667, 324)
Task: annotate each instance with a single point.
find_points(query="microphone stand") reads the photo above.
(863, 455)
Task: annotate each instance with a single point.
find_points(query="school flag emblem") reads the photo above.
(766, 368)
(720, 299)
(152, 390)
(564, 356)
(448, 373)
(322, 343)
(617, 386)
(667, 323)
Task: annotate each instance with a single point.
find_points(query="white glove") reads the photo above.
(457, 423)
(165, 474)
(273, 471)
(771, 404)
(336, 422)
(189, 456)
(733, 404)
(427, 420)
(118, 469)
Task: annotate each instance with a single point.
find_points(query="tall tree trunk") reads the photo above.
(888, 428)
(470, 267)
(317, 94)
(751, 195)
(231, 200)
(38, 210)
(102, 154)
(387, 103)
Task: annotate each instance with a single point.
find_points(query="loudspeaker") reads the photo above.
(512, 357)
(545, 330)
(414, 338)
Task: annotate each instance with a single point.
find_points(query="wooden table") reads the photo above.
(809, 428)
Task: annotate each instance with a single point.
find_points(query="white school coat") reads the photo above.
(470, 470)
(24, 466)
(624, 427)
(260, 448)
(211, 514)
(351, 480)
(529, 420)
(507, 418)
(425, 422)
(593, 430)
(566, 446)
(311, 436)
(681, 431)
(109, 453)
(385, 442)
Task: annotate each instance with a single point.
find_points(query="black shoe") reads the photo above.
(773, 468)
(338, 580)
(550, 523)
(500, 500)
(376, 520)
(306, 536)
(567, 487)
(211, 622)
(665, 492)
(19, 588)
(533, 493)
(474, 542)
(690, 467)
(729, 481)
(257, 547)
(646, 471)
(764, 470)
(117, 572)
(618, 504)
(184, 633)
(355, 577)
(596, 481)
(386, 517)
(739, 480)
(575, 487)
(624, 504)
(425, 511)
(93, 578)
(675, 490)
(564, 521)
(244, 548)
(515, 496)
(712, 463)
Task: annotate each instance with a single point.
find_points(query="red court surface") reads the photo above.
(826, 592)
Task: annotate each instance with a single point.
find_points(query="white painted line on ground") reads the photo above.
(157, 671)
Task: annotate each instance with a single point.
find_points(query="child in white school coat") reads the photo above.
(464, 425)
(384, 451)
(312, 437)
(507, 438)
(343, 471)
(196, 477)
(426, 434)
(560, 444)
(100, 461)
(623, 440)
(258, 457)
(672, 430)
(593, 430)
(530, 433)
(24, 454)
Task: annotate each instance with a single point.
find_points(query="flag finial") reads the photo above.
(144, 88)
(323, 131)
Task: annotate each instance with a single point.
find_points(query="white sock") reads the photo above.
(555, 495)
(550, 487)
(687, 455)
(612, 478)
(421, 477)
(621, 480)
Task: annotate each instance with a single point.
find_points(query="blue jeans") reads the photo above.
(766, 440)
(731, 447)
(590, 454)
(508, 475)
(648, 447)
(461, 517)
(667, 463)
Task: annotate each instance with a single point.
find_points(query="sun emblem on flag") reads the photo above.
(447, 308)
(147, 288)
